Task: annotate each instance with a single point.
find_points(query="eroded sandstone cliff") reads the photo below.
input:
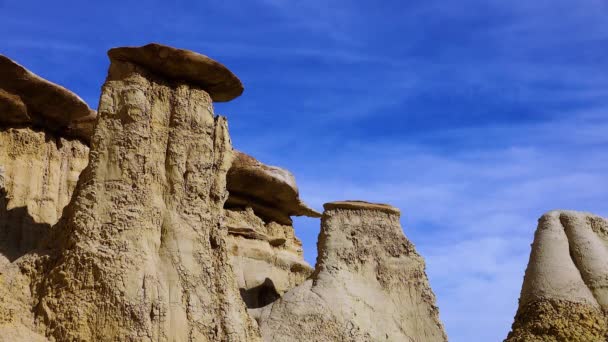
(169, 234)
(564, 296)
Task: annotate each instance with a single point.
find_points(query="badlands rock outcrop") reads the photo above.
(142, 223)
(26, 99)
(43, 130)
(564, 296)
(369, 284)
(266, 255)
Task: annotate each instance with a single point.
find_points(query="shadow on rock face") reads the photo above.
(19, 233)
(260, 295)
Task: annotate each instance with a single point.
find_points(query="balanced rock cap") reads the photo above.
(28, 99)
(361, 205)
(212, 76)
(271, 191)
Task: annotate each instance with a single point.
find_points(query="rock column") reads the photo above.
(369, 284)
(142, 252)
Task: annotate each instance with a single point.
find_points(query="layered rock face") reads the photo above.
(266, 255)
(564, 296)
(369, 284)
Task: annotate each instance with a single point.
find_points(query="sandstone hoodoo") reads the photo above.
(143, 224)
(564, 296)
(27, 99)
(183, 65)
(369, 284)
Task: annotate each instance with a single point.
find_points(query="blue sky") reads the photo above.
(473, 117)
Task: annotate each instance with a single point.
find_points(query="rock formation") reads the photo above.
(42, 129)
(140, 253)
(27, 99)
(271, 191)
(143, 224)
(266, 255)
(564, 296)
(369, 284)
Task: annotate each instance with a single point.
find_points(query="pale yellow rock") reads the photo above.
(369, 284)
(565, 291)
(28, 99)
(40, 174)
(267, 258)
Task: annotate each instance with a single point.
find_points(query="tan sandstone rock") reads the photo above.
(41, 164)
(271, 191)
(28, 99)
(369, 284)
(40, 174)
(41, 157)
(140, 253)
(565, 291)
(267, 258)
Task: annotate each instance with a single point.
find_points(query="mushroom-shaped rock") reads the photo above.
(564, 296)
(271, 191)
(369, 284)
(28, 99)
(184, 65)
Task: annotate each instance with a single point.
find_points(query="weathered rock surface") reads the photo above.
(170, 234)
(267, 258)
(29, 100)
(140, 252)
(183, 65)
(271, 191)
(564, 296)
(369, 284)
(40, 174)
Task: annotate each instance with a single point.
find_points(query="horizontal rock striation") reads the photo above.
(564, 296)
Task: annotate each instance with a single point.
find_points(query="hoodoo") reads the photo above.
(564, 296)
(369, 284)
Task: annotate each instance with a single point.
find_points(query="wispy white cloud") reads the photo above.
(472, 213)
